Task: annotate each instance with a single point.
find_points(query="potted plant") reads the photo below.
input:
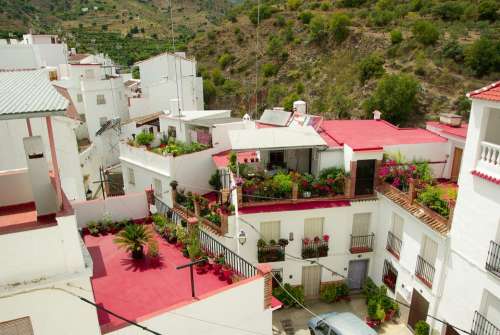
(261, 243)
(316, 239)
(218, 264)
(422, 328)
(93, 228)
(226, 272)
(133, 239)
(283, 242)
(153, 252)
(375, 313)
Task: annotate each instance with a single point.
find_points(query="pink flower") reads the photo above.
(384, 171)
(396, 182)
(326, 237)
(306, 241)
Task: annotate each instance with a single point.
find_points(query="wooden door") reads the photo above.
(450, 330)
(365, 172)
(357, 273)
(311, 280)
(418, 309)
(457, 160)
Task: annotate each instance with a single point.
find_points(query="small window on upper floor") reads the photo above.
(79, 98)
(101, 100)
(361, 224)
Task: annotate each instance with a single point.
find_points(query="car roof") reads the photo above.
(347, 323)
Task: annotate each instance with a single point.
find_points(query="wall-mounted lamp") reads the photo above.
(242, 237)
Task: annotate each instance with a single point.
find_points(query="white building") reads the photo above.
(471, 294)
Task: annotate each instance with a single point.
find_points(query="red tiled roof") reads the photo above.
(298, 206)
(372, 134)
(221, 159)
(490, 92)
(456, 131)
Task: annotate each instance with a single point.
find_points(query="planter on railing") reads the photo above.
(270, 253)
(312, 248)
(482, 326)
(361, 243)
(393, 244)
(389, 276)
(424, 271)
(493, 260)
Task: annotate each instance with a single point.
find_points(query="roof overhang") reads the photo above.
(275, 138)
(30, 115)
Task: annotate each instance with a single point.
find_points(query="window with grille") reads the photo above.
(131, 176)
(158, 187)
(270, 230)
(20, 326)
(101, 100)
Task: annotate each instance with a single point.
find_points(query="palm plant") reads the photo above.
(133, 238)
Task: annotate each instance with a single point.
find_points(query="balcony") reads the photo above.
(488, 165)
(390, 276)
(493, 260)
(270, 253)
(393, 244)
(481, 326)
(314, 248)
(361, 243)
(424, 271)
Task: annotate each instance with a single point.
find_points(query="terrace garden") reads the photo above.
(166, 146)
(194, 204)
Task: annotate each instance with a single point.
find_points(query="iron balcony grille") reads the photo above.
(271, 253)
(424, 271)
(493, 260)
(389, 275)
(361, 243)
(481, 326)
(393, 244)
(314, 249)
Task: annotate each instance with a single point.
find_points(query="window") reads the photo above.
(158, 187)
(361, 224)
(172, 132)
(131, 176)
(101, 100)
(20, 326)
(270, 230)
(276, 158)
(428, 250)
(397, 226)
(79, 98)
(313, 227)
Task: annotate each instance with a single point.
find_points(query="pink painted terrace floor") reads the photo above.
(137, 290)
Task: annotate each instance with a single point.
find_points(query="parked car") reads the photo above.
(338, 324)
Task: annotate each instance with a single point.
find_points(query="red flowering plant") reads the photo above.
(397, 174)
(326, 237)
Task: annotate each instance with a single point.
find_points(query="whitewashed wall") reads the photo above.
(17, 187)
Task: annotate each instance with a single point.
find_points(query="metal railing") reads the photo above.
(313, 249)
(166, 210)
(493, 260)
(424, 271)
(389, 275)
(481, 326)
(240, 266)
(361, 243)
(271, 253)
(393, 244)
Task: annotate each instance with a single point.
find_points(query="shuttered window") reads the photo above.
(20, 326)
(361, 224)
(270, 230)
(397, 226)
(429, 250)
(313, 227)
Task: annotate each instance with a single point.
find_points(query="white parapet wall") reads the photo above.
(130, 206)
(18, 184)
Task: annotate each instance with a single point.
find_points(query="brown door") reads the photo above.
(450, 330)
(455, 168)
(418, 309)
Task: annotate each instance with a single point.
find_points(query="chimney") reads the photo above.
(376, 115)
(44, 192)
(300, 106)
(175, 107)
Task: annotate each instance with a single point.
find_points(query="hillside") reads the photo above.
(334, 55)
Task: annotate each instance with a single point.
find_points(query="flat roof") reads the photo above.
(29, 93)
(373, 134)
(136, 289)
(275, 138)
(196, 115)
(447, 129)
(213, 122)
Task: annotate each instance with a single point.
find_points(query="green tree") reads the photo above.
(425, 32)
(454, 50)
(396, 36)
(396, 96)
(261, 14)
(217, 77)
(305, 17)
(488, 10)
(449, 10)
(371, 67)
(274, 46)
(289, 99)
(209, 90)
(270, 69)
(225, 59)
(483, 56)
(318, 28)
(294, 4)
(339, 27)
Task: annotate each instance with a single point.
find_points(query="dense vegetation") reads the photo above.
(410, 59)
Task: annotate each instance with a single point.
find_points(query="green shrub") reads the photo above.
(329, 293)
(483, 56)
(231, 86)
(325, 6)
(288, 101)
(318, 28)
(371, 67)
(454, 50)
(381, 17)
(144, 138)
(265, 12)
(449, 10)
(488, 10)
(296, 292)
(432, 197)
(225, 59)
(425, 32)
(280, 21)
(305, 17)
(396, 36)
(339, 27)
(217, 77)
(270, 69)
(274, 46)
(294, 4)
(282, 184)
(209, 91)
(396, 96)
(422, 328)
(352, 3)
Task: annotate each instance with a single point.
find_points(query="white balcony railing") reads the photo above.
(489, 161)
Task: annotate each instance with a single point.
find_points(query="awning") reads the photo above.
(152, 119)
(275, 138)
